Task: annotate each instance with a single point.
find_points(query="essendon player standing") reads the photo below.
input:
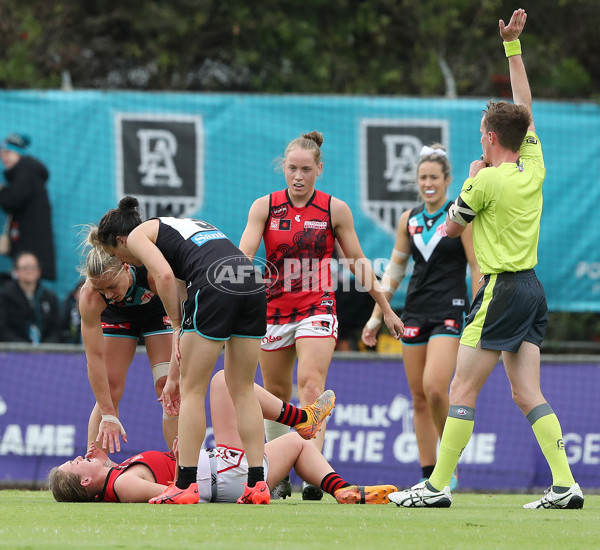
(299, 225)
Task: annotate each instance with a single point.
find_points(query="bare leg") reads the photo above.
(291, 451)
(158, 347)
(314, 357)
(439, 368)
(425, 430)
(523, 371)
(241, 361)
(198, 357)
(277, 369)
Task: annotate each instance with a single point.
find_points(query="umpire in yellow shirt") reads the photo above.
(502, 197)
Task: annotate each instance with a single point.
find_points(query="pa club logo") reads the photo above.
(160, 160)
(389, 154)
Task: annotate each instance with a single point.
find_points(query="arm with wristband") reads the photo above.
(512, 46)
(110, 429)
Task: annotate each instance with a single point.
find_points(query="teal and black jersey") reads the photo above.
(139, 302)
(437, 284)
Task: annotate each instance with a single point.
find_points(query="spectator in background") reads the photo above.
(29, 312)
(25, 201)
(71, 317)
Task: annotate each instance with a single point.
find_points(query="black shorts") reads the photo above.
(419, 329)
(509, 309)
(218, 315)
(120, 326)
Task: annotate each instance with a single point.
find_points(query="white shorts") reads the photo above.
(222, 473)
(285, 336)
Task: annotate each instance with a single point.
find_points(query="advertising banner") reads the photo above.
(210, 156)
(45, 401)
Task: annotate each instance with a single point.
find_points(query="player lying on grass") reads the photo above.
(222, 471)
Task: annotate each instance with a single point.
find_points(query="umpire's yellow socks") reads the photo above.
(548, 433)
(457, 432)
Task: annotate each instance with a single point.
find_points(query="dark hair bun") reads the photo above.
(128, 203)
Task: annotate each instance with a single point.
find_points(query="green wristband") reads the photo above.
(512, 48)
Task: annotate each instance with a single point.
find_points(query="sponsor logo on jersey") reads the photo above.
(146, 297)
(279, 211)
(205, 236)
(297, 218)
(281, 225)
(414, 230)
(313, 224)
(327, 303)
(458, 302)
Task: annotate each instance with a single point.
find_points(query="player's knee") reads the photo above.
(159, 375)
(309, 390)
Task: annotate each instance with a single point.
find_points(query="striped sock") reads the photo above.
(291, 416)
(332, 483)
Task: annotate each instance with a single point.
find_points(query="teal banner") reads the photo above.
(211, 155)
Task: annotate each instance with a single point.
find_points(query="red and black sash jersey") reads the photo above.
(299, 246)
(161, 464)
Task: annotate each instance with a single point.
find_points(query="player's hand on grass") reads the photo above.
(513, 30)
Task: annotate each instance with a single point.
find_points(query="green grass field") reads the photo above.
(32, 519)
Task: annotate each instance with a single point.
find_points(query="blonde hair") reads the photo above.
(98, 262)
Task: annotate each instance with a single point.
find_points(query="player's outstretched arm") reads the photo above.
(518, 76)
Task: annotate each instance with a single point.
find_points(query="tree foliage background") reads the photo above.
(393, 47)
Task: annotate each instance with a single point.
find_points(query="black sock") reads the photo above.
(291, 416)
(332, 482)
(426, 471)
(186, 476)
(255, 474)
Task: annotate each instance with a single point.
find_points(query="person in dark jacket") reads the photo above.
(70, 321)
(25, 201)
(29, 312)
